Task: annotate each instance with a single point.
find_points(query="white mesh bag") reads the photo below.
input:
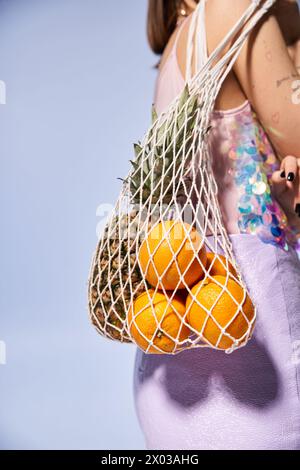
(158, 278)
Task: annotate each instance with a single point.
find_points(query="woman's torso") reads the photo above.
(242, 156)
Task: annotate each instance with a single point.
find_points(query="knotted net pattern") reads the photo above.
(150, 281)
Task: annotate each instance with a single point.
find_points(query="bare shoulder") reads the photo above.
(228, 7)
(264, 71)
(220, 17)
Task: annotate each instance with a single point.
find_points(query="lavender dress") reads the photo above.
(203, 398)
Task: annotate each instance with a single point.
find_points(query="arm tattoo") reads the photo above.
(292, 75)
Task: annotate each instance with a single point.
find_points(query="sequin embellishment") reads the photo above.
(253, 162)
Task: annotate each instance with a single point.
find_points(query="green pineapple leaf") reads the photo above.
(180, 121)
(134, 164)
(161, 133)
(146, 166)
(137, 149)
(184, 97)
(154, 114)
(158, 160)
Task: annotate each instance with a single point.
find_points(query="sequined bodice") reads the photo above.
(243, 161)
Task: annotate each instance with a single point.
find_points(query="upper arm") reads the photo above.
(264, 70)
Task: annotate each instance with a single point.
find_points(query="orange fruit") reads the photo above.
(167, 257)
(224, 310)
(151, 309)
(216, 266)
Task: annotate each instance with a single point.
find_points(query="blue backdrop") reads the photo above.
(79, 87)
